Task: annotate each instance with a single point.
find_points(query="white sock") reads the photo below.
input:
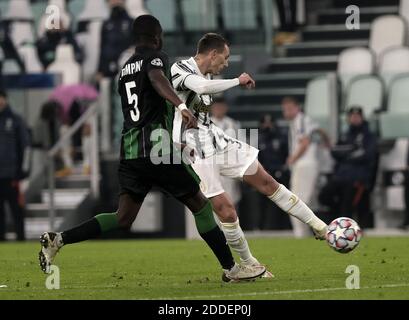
(294, 206)
(236, 240)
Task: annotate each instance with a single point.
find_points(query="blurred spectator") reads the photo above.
(348, 191)
(48, 43)
(7, 51)
(302, 159)
(230, 127)
(116, 37)
(273, 146)
(287, 10)
(45, 132)
(14, 143)
(73, 100)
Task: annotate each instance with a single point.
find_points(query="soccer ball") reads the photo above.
(343, 235)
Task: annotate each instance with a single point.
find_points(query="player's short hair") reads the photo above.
(290, 99)
(211, 41)
(145, 28)
(3, 93)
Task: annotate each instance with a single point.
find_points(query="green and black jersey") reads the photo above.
(144, 110)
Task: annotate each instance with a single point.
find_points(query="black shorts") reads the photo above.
(138, 176)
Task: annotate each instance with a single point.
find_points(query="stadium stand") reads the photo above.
(380, 41)
(136, 7)
(88, 35)
(66, 65)
(366, 91)
(394, 121)
(392, 62)
(354, 61)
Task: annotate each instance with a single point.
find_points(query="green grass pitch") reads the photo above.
(180, 269)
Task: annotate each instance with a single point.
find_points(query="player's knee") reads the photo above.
(226, 212)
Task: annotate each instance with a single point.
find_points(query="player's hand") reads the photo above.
(189, 119)
(246, 81)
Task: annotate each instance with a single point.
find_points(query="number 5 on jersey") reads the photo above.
(132, 100)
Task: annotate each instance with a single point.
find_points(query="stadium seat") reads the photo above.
(94, 10)
(367, 92)
(136, 8)
(21, 32)
(200, 15)
(392, 62)
(319, 102)
(239, 14)
(19, 10)
(65, 16)
(354, 61)
(93, 16)
(404, 9)
(386, 32)
(28, 54)
(10, 67)
(165, 11)
(90, 41)
(394, 123)
(66, 65)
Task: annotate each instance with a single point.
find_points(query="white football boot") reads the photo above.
(253, 262)
(320, 234)
(51, 242)
(242, 272)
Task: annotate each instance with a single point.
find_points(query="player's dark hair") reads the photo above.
(290, 99)
(3, 93)
(146, 28)
(211, 41)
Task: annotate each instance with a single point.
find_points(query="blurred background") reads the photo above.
(323, 69)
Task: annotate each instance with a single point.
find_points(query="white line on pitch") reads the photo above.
(244, 294)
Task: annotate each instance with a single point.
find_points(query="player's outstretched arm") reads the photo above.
(201, 85)
(165, 90)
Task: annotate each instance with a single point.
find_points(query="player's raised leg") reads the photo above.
(257, 177)
(52, 242)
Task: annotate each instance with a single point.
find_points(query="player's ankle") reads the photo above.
(250, 261)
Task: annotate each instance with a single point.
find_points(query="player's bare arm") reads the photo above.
(165, 90)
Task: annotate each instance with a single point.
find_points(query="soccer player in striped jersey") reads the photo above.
(148, 104)
(220, 155)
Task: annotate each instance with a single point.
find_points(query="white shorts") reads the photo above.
(233, 162)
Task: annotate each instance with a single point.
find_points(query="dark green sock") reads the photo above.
(91, 229)
(214, 237)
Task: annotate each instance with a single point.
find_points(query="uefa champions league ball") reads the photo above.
(343, 235)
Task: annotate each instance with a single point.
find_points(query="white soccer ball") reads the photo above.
(343, 235)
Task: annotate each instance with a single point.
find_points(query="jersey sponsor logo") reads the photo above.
(157, 62)
(201, 108)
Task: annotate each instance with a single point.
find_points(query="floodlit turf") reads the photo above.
(178, 269)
